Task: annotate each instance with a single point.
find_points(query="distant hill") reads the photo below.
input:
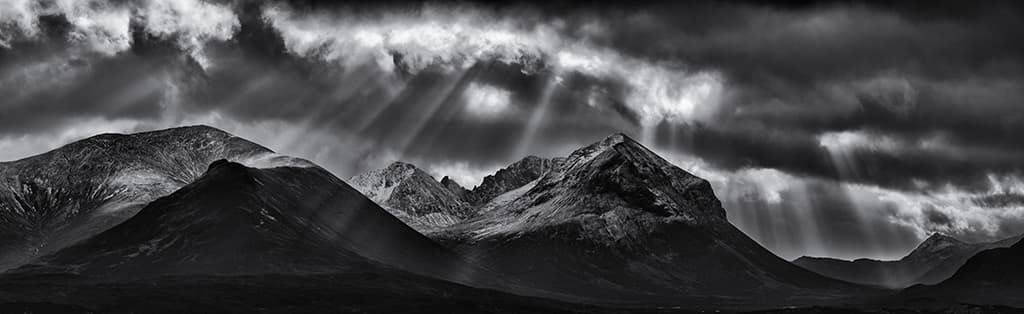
(993, 276)
(934, 260)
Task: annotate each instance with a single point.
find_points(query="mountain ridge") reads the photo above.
(933, 260)
(413, 196)
(992, 276)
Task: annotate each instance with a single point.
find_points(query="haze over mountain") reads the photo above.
(933, 261)
(615, 222)
(992, 276)
(239, 220)
(52, 200)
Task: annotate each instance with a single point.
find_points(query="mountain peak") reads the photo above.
(935, 243)
(618, 139)
(400, 165)
(188, 130)
(224, 167)
(453, 185)
(413, 195)
(607, 209)
(512, 177)
(939, 239)
(218, 163)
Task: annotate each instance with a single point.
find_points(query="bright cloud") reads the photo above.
(463, 173)
(485, 100)
(191, 22)
(452, 38)
(105, 26)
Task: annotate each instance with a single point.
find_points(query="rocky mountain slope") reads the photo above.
(617, 223)
(52, 200)
(429, 206)
(239, 220)
(512, 177)
(413, 196)
(934, 260)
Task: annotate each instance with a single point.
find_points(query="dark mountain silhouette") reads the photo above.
(240, 220)
(934, 260)
(993, 276)
(617, 223)
(52, 200)
(413, 196)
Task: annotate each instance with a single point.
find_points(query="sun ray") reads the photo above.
(538, 115)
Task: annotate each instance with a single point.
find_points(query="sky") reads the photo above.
(845, 129)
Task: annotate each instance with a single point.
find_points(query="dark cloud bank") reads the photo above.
(834, 128)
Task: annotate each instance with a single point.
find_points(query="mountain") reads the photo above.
(413, 196)
(992, 276)
(456, 188)
(52, 200)
(934, 260)
(430, 206)
(239, 220)
(617, 223)
(512, 177)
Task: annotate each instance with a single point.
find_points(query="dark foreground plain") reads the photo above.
(396, 292)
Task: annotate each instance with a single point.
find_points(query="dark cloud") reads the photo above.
(936, 217)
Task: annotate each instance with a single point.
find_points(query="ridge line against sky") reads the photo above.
(828, 129)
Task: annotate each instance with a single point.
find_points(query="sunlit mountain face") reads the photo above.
(832, 129)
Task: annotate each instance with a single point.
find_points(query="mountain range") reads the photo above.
(616, 223)
(194, 218)
(239, 220)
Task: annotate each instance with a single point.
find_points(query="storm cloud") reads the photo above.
(861, 126)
